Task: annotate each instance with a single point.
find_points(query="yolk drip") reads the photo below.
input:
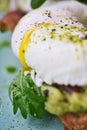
(25, 42)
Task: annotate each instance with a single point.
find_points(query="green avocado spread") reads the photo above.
(58, 102)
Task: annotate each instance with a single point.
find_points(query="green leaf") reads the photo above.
(15, 108)
(83, 1)
(36, 3)
(26, 96)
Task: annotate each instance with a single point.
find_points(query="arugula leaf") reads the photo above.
(36, 3)
(26, 96)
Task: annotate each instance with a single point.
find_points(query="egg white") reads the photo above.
(58, 61)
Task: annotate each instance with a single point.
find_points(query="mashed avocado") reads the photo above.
(59, 102)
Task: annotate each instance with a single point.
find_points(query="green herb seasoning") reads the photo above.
(11, 69)
(4, 44)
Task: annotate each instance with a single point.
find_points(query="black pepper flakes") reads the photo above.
(49, 15)
(61, 27)
(85, 37)
(46, 93)
(53, 30)
(23, 51)
(76, 21)
(44, 39)
(66, 24)
(61, 21)
(21, 31)
(51, 37)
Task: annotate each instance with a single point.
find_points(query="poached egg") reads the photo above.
(53, 43)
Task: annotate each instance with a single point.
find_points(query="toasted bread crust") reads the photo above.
(74, 121)
(10, 20)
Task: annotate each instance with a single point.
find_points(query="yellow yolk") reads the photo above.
(23, 47)
(25, 42)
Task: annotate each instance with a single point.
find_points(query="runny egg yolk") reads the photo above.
(25, 42)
